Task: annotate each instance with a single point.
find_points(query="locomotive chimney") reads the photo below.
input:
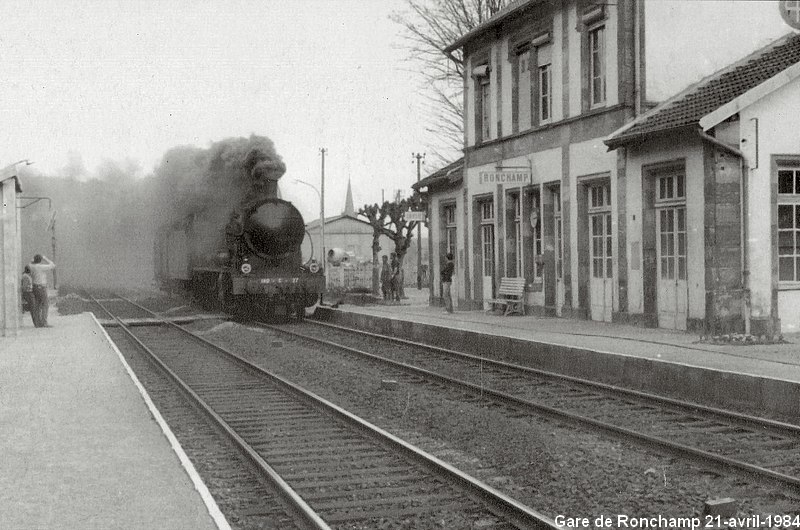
(265, 170)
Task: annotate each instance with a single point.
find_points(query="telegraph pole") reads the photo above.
(420, 158)
(322, 151)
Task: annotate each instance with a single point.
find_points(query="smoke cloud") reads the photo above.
(211, 183)
(98, 232)
(106, 222)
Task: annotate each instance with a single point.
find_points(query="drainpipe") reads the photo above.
(743, 232)
(745, 243)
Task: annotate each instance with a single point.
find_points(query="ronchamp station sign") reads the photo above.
(506, 178)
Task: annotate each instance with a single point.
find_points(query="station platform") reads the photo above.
(82, 446)
(757, 377)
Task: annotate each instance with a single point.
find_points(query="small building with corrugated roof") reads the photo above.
(11, 239)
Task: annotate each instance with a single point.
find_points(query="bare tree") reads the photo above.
(376, 215)
(431, 26)
(388, 220)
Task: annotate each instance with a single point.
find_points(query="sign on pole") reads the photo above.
(790, 11)
(414, 216)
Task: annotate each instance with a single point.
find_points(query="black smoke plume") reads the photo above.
(206, 185)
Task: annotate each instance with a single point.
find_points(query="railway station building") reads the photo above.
(544, 84)
(713, 200)
(613, 207)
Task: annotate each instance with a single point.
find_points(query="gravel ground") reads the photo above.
(554, 468)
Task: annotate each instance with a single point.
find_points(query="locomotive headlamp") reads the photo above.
(314, 267)
(246, 268)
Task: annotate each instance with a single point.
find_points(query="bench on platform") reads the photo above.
(511, 295)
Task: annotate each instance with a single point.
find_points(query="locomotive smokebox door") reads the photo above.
(275, 227)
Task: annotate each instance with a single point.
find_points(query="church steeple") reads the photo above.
(348, 202)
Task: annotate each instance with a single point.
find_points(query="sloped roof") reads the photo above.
(510, 9)
(329, 220)
(450, 174)
(689, 106)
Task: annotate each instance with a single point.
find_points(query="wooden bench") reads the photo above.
(511, 295)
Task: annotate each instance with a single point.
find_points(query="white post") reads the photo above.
(322, 211)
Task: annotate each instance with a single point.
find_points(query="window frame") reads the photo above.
(602, 52)
(533, 199)
(558, 231)
(482, 95)
(523, 53)
(544, 90)
(487, 223)
(601, 208)
(792, 200)
(545, 98)
(450, 227)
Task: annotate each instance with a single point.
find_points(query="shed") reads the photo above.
(11, 240)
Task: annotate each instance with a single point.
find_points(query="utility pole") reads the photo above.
(420, 158)
(322, 151)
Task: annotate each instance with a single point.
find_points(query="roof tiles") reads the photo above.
(688, 107)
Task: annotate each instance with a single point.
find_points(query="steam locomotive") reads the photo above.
(259, 269)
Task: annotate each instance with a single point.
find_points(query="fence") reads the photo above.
(350, 277)
(358, 277)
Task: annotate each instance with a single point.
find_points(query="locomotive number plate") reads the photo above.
(280, 280)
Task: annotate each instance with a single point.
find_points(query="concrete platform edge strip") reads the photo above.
(705, 385)
(194, 476)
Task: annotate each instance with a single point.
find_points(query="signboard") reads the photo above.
(506, 178)
(790, 11)
(414, 216)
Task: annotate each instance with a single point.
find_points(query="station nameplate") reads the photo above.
(506, 178)
(414, 216)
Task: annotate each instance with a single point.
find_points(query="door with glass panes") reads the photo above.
(487, 249)
(558, 249)
(601, 283)
(672, 289)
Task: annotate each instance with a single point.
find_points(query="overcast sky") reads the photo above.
(114, 79)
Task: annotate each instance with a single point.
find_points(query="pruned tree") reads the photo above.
(388, 220)
(376, 215)
(431, 26)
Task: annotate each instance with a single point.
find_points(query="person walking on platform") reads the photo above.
(386, 279)
(447, 281)
(27, 293)
(39, 269)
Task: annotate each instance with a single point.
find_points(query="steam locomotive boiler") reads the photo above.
(250, 266)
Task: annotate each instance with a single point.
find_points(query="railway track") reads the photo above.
(766, 450)
(328, 467)
(115, 307)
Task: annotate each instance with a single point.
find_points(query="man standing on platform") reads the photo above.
(386, 279)
(41, 305)
(27, 293)
(447, 281)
